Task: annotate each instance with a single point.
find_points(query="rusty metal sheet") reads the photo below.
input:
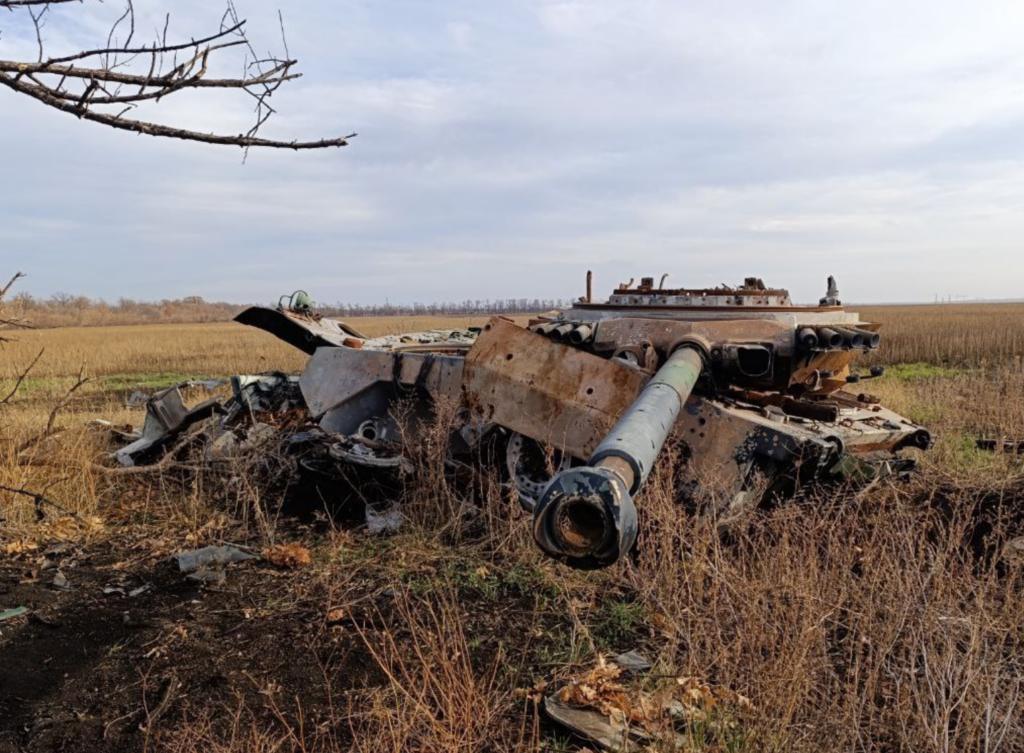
(838, 362)
(335, 376)
(305, 332)
(665, 334)
(550, 392)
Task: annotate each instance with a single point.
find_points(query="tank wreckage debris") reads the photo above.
(758, 395)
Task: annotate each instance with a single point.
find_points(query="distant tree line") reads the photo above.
(67, 310)
(474, 307)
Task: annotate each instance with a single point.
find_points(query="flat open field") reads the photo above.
(877, 620)
(172, 349)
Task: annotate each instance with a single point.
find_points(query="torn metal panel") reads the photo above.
(337, 377)
(553, 393)
(358, 392)
(166, 418)
(267, 392)
(606, 733)
(307, 332)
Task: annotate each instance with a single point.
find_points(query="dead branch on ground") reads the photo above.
(39, 499)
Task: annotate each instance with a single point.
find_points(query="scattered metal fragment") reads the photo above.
(370, 455)
(129, 593)
(603, 731)
(140, 398)
(209, 577)
(388, 521)
(632, 662)
(211, 556)
(267, 392)
(1002, 445)
(166, 418)
(682, 713)
(10, 614)
(1013, 551)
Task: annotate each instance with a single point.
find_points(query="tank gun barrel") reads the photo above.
(586, 517)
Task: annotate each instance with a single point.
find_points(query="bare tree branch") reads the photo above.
(9, 321)
(51, 423)
(84, 83)
(21, 379)
(7, 288)
(25, 3)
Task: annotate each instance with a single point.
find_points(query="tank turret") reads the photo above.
(581, 402)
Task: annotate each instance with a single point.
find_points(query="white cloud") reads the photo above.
(504, 147)
(460, 33)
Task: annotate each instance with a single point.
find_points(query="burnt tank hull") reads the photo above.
(745, 386)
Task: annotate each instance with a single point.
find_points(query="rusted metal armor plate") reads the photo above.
(307, 333)
(615, 334)
(335, 376)
(550, 392)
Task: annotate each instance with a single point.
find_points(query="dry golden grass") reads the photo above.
(957, 335)
(853, 621)
(982, 397)
(180, 349)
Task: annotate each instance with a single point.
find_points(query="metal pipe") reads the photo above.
(562, 331)
(581, 334)
(829, 338)
(590, 286)
(586, 517)
(852, 338)
(808, 338)
(871, 339)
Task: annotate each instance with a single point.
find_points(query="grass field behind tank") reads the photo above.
(849, 622)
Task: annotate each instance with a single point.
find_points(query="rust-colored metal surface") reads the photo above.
(667, 334)
(335, 375)
(823, 372)
(307, 332)
(577, 407)
(553, 393)
(775, 309)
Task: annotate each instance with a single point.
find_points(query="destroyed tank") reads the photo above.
(748, 387)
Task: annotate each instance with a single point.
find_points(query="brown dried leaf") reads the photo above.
(19, 548)
(288, 555)
(534, 694)
(599, 689)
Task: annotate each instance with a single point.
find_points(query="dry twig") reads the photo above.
(5, 321)
(123, 74)
(21, 379)
(51, 421)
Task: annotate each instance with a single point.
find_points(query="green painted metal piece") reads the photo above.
(10, 614)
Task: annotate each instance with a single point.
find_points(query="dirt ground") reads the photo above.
(129, 654)
(88, 671)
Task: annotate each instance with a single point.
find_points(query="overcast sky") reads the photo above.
(506, 147)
